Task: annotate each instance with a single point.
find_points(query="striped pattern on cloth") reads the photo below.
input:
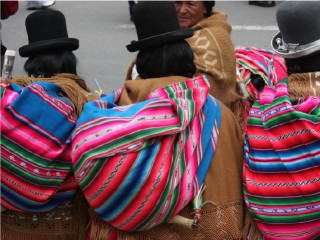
(282, 164)
(265, 63)
(139, 165)
(36, 128)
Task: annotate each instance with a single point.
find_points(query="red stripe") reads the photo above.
(147, 187)
(25, 187)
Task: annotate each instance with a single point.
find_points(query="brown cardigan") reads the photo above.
(215, 56)
(227, 218)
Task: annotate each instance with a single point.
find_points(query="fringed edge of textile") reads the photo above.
(125, 236)
(99, 229)
(250, 229)
(253, 232)
(13, 234)
(73, 87)
(81, 205)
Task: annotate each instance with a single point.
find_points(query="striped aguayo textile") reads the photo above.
(265, 63)
(36, 128)
(282, 168)
(139, 165)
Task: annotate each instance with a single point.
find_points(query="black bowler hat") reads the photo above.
(47, 31)
(156, 23)
(299, 25)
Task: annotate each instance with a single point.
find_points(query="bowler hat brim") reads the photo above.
(293, 50)
(160, 39)
(49, 45)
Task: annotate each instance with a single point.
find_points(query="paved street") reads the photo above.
(104, 29)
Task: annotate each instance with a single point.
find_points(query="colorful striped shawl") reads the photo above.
(282, 166)
(36, 126)
(139, 165)
(265, 63)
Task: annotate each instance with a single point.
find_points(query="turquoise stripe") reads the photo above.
(307, 156)
(130, 187)
(213, 115)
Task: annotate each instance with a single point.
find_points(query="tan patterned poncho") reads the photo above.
(304, 84)
(215, 56)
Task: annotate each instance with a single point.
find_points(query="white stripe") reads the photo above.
(125, 26)
(255, 28)
(314, 90)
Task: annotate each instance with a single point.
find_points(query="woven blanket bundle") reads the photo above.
(36, 126)
(282, 166)
(139, 165)
(265, 63)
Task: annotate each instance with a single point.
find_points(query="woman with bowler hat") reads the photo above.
(212, 46)
(142, 156)
(213, 50)
(282, 169)
(39, 195)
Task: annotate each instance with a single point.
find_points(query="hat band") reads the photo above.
(294, 46)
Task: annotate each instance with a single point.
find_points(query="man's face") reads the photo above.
(189, 12)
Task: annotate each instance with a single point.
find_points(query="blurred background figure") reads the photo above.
(263, 3)
(32, 5)
(8, 8)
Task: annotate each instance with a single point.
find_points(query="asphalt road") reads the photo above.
(104, 29)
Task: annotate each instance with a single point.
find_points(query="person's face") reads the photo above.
(190, 12)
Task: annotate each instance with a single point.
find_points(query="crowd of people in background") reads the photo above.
(203, 141)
